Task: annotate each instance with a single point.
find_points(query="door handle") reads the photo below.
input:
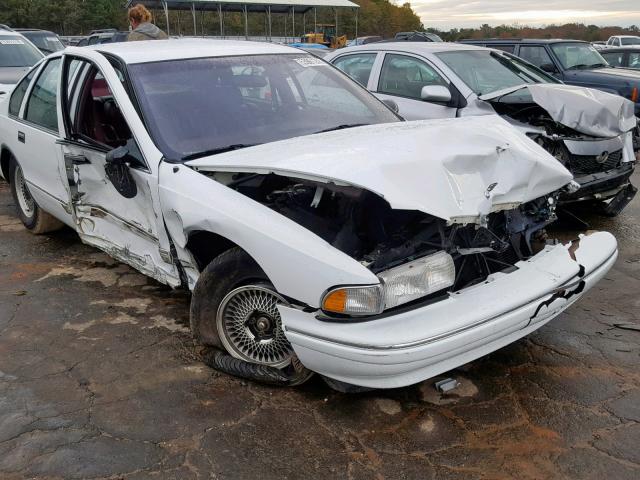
(21, 137)
(77, 159)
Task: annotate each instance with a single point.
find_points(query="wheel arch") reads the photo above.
(5, 158)
(204, 246)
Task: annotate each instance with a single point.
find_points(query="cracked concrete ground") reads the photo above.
(99, 378)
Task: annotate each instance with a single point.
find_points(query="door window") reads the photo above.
(616, 59)
(634, 60)
(18, 94)
(94, 114)
(405, 76)
(535, 55)
(505, 48)
(357, 67)
(42, 106)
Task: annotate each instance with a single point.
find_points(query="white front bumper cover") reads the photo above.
(411, 346)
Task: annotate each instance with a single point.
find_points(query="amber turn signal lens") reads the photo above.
(634, 95)
(335, 301)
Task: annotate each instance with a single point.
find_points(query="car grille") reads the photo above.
(584, 164)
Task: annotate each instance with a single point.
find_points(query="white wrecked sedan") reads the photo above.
(317, 233)
(589, 131)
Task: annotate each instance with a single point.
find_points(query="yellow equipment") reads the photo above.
(325, 34)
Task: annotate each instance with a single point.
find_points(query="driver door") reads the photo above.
(114, 197)
(401, 80)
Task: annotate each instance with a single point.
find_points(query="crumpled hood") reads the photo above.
(148, 29)
(456, 169)
(586, 110)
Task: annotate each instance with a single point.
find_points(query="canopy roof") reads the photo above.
(276, 6)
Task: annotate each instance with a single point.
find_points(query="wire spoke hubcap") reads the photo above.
(250, 327)
(27, 205)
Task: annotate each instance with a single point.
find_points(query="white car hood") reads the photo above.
(456, 169)
(586, 110)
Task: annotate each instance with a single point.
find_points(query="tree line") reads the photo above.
(573, 31)
(79, 17)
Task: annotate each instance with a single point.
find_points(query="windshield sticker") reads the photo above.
(51, 39)
(310, 62)
(11, 42)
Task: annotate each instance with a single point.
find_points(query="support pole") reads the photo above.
(335, 11)
(193, 14)
(269, 16)
(202, 22)
(315, 20)
(293, 23)
(246, 24)
(356, 37)
(166, 15)
(221, 20)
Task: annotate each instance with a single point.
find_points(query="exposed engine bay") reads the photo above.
(362, 225)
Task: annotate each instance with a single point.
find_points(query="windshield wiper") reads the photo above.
(342, 127)
(214, 151)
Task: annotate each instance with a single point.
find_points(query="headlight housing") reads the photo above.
(399, 285)
(417, 279)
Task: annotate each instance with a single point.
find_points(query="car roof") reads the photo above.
(628, 48)
(519, 40)
(178, 49)
(416, 47)
(626, 36)
(4, 32)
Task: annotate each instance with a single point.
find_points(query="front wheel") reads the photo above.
(234, 308)
(35, 219)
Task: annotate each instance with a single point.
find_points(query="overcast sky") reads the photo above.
(446, 14)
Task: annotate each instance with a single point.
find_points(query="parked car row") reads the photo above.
(317, 231)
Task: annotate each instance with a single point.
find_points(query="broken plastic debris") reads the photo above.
(446, 385)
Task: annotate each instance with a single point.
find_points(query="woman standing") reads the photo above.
(142, 28)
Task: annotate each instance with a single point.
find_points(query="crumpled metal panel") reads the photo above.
(455, 169)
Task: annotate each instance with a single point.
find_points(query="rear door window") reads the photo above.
(42, 107)
(357, 66)
(18, 94)
(505, 48)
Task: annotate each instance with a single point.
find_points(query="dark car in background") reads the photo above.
(572, 61)
(416, 37)
(624, 57)
(46, 41)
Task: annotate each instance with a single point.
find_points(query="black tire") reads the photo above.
(36, 220)
(235, 275)
(226, 272)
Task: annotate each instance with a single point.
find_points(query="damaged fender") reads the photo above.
(299, 263)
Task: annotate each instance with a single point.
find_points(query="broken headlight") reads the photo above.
(399, 285)
(417, 279)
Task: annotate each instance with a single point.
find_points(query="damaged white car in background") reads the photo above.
(592, 133)
(317, 234)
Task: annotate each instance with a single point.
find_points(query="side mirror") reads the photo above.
(548, 67)
(117, 156)
(435, 93)
(391, 104)
(118, 172)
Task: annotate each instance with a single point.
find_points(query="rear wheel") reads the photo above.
(234, 308)
(35, 219)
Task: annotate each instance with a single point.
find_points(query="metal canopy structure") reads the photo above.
(268, 7)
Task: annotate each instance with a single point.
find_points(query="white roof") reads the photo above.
(176, 49)
(417, 47)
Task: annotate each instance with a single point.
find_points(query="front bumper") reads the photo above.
(409, 347)
(601, 185)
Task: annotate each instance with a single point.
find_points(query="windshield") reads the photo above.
(630, 41)
(484, 71)
(15, 51)
(46, 41)
(198, 107)
(578, 55)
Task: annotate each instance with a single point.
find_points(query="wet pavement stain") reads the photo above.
(99, 378)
